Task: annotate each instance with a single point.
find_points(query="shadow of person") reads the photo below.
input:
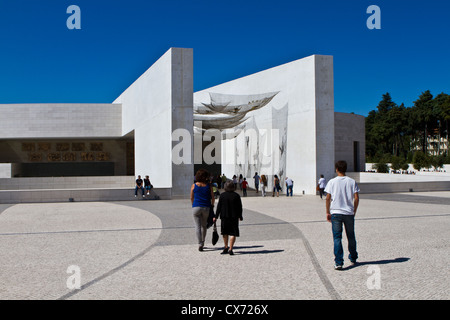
(259, 251)
(377, 262)
(239, 248)
(152, 196)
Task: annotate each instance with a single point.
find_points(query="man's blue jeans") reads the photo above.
(289, 190)
(337, 220)
(137, 188)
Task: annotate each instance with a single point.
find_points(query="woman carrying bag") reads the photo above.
(229, 209)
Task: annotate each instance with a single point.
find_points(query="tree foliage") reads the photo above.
(398, 132)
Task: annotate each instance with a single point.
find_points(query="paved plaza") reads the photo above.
(147, 250)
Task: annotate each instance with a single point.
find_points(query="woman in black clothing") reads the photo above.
(229, 209)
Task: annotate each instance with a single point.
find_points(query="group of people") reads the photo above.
(342, 200)
(241, 183)
(144, 185)
(229, 210)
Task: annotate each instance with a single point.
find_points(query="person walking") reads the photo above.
(229, 209)
(263, 184)
(276, 186)
(244, 187)
(321, 184)
(341, 204)
(202, 199)
(224, 179)
(289, 186)
(257, 179)
(235, 181)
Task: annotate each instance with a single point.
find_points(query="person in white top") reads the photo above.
(321, 184)
(341, 204)
(289, 186)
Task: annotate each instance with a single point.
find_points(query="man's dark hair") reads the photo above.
(341, 166)
(202, 176)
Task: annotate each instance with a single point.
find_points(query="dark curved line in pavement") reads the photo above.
(322, 275)
(107, 274)
(320, 272)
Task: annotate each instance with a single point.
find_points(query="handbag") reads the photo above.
(215, 236)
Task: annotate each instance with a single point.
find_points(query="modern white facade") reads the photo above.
(295, 131)
(133, 135)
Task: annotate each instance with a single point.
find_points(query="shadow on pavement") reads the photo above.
(377, 262)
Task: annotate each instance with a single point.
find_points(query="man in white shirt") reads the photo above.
(322, 183)
(341, 204)
(289, 186)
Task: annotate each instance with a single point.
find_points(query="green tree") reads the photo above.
(421, 160)
(424, 116)
(398, 163)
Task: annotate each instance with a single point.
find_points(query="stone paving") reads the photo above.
(147, 250)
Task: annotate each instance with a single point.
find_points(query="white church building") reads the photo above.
(278, 121)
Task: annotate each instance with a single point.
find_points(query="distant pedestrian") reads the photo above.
(224, 179)
(341, 204)
(241, 179)
(139, 186)
(202, 199)
(257, 179)
(229, 209)
(263, 180)
(289, 186)
(321, 184)
(276, 186)
(235, 181)
(147, 184)
(244, 187)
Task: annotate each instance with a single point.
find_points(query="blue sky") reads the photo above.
(42, 61)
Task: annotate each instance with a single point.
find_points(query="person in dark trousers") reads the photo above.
(147, 184)
(341, 204)
(229, 209)
(244, 187)
(202, 199)
(139, 185)
(321, 184)
(257, 178)
(276, 186)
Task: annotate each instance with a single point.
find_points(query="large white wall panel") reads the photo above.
(157, 103)
(306, 98)
(60, 120)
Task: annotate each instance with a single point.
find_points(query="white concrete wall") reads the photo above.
(306, 88)
(5, 170)
(60, 120)
(157, 103)
(102, 182)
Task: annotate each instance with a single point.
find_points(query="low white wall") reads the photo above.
(371, 182)
(5, 170)
(110, 182)
(445, 169)
(392, 187)
(368, 177)
(79, 195)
